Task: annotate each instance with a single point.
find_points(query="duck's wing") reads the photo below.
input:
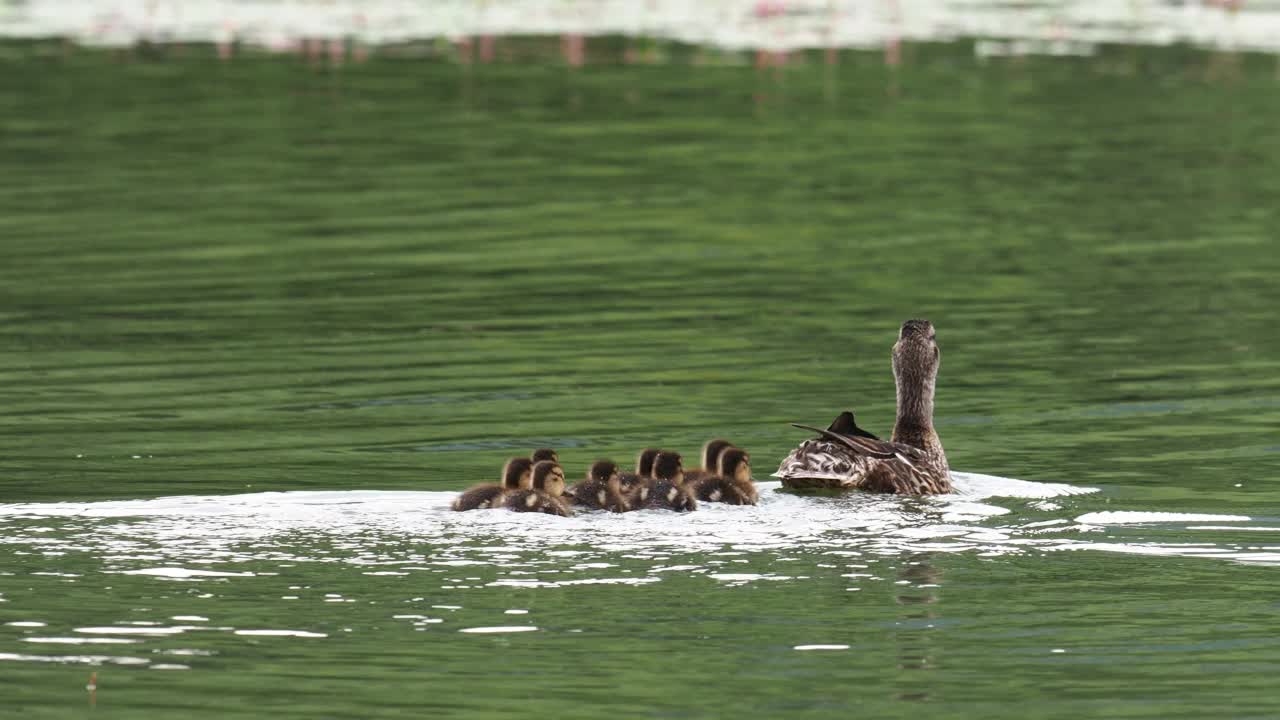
(864, 446)
(846, 424)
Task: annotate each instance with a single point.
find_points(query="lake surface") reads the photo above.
(260, 322)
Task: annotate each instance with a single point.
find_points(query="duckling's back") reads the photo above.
(536, 501)
(666, 495)
(481, 497)
(717, 488)
(599, 495)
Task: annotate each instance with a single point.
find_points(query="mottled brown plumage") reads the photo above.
(516, 474)
(912, 463)
(542, 454)
(632, 484)
(665, 489)
(710, 460)
(731, 485)
(544, 496)
(601, 490)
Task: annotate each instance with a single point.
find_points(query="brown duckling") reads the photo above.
(545, 495)
(732, 484)
(545, 454)
(710, 461)
(601, 490)
(516, 475)
(631, 484)
(666, 489)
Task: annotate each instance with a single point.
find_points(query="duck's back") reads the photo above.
(900, 469)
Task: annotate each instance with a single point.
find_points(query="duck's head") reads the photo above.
(669, 466)
(548, 477)
(915, 362)
(516, 474)
(735, 463)
(644, 462)
(711, 453)
(604, 471)
(545, 454)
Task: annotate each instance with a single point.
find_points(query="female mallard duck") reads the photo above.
(544, 496)
(516, 474)
(731, 485)
(710, 461)
(666, 488)
(601, 490)
(912, 463)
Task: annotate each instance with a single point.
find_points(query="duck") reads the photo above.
(731, 485)
(545, 495)
(665, 488)
(601, 490)
(545, 454)
(516, 475)
(632, 484)
(911, 462)
(710, 460)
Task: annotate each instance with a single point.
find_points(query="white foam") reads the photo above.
(821, 647)
(499, 629)
(81, 641)
(77, 659)
(282, 633)
(133, 630)
(1121, 517)
(184, 573)
(177, 538)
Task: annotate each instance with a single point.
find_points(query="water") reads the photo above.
(1035, 26)
(259, 323)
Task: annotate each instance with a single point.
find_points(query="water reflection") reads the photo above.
(919, 580)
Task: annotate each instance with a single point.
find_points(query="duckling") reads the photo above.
(666, 489)
(710, 461)
(545, 495)
(516, 474)
(601, 490)
(632, 484)
(733, 483)
(545, 454)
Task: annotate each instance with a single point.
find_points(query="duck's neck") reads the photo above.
(914, 426)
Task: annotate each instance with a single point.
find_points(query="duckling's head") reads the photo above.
(915, 365)
(669, 466)
(548, 477)
(603, 471)
(711, 453)
(735, 463)
(644, 462)
(516, 473)
(545, 454)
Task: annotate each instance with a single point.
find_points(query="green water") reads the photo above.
(255, 276)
